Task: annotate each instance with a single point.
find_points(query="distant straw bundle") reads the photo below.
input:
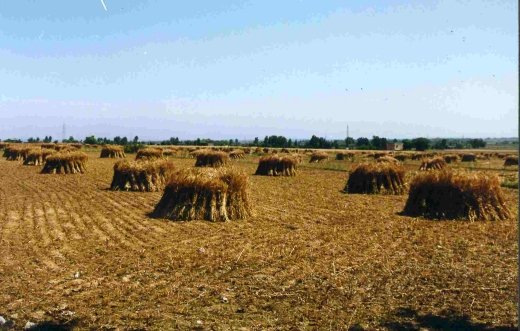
(65, 163)
(3, 145)
(387, 159)
(450, 195)
(16, 152)
(318, 157)
(209, 158)
(451, 158)
(143, 176)
(237, 154)
(37, 156)
(468, 158)
(382, 177)
(435, 163)
(344, 155)
(273, 165)
(402, 157)
(112, 151)
(511, 160)
(149, 153)
(205, 194)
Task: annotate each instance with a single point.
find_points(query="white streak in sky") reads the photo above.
(104, 6)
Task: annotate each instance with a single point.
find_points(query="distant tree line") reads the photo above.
(375, 143)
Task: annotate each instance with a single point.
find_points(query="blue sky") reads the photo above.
(240, 69)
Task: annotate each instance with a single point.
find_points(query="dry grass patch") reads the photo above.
(142, 176)
(205, 194)
(149, 153)
(369, 178)
(112, 151)
(387, 159)
(273, 165)
(435, 163)
(65, 163)
(210, 158)
(456, 195)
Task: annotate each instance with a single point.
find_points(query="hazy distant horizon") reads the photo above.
(244, 69)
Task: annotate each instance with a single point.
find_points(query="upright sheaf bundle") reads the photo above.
(205, 194)
(344, 155)
(318, 157)
(65, 163)
(16, 152)
(149, 153)
(370, 178)
(237, 154)
(468, 157)
(511, 160)
(387, 159)
(143, 176)
(111, 151)
(456, 195)
(451, 158)
(209, 158)
(274, 165)
(38, 156)
(435, 163)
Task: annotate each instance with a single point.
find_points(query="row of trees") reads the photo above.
(375, 143)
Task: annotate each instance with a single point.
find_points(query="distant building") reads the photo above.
(394, 146)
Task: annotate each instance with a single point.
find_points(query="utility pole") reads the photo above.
(63, 132)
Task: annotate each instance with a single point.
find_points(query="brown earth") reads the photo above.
(73, 253)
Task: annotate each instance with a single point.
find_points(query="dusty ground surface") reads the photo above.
(74, 254)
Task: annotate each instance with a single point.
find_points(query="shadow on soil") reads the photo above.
(409, 319)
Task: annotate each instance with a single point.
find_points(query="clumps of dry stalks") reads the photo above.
(468, 157)
(274, 165)
(237, 154)
(209, 158)
(142, 176)
(112, 151)
(38, 156)
(65, 163)
(344, 155)
(387, 159)
(511, 160)
(435, 163)
(369, 178)
(149, 153)
(456, 195)
(451, 158)
(16, 152)
(402, 157)
(205, 194)
(318, 157)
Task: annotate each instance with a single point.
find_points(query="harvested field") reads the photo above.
(74, 253)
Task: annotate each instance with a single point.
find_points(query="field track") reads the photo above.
(74, 253)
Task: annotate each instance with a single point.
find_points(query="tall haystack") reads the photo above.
(209, 158)
(511, 160)
(318, 157)
(16, 152)
(388, 159)
(468, 157)
(456, 195)
(149, 153)
(38, 156)
(143, 175)
(274, 165)
(237, 154)
(205, 194)
(402, 157)
(112, 151)
(344, 155)
(384, 177)
(435, 163)
(65, 163)
(451, 158)
(3, 145)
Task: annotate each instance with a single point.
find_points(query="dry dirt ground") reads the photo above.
(74, 254)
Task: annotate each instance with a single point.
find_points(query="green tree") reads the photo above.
(421, 143)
